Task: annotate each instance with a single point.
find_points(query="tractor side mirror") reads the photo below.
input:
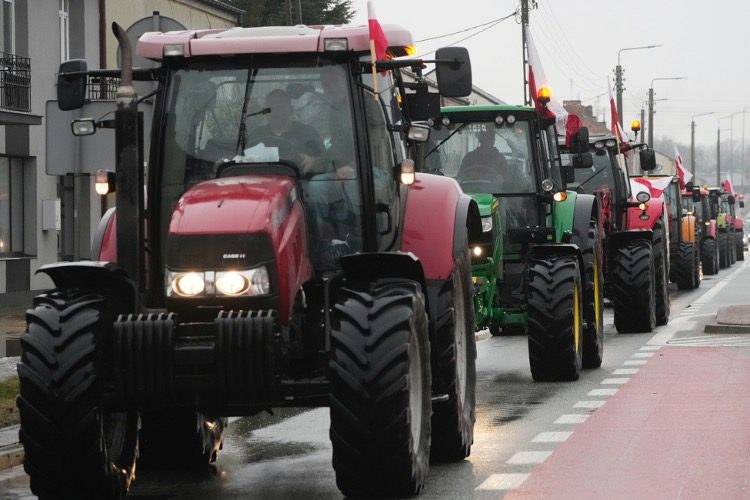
(731, 199)
(742, 204)
(453, 69)
(583, 160)
(423, 105)
(71, 84)
(579, 142)
(696, 194)
(648, 160)
(570, 172)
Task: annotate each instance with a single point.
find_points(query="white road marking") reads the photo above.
(529, 457)
(551, 437)
(625, 371)
(635, 362)
(602, 392)
(506, 481)
(642, 355)
(572, 418)
(650, 348)
(589, 404)
(615, 381)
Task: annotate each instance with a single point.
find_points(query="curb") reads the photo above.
(11, 456)
(724, 328)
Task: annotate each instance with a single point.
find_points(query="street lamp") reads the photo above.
(692, 140)
(618, 76)
(651, 106)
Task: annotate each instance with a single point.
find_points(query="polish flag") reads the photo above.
(654, 186)
(728, 187)
(682, 172)
(615, 117)
(537, 80)
(378, 41)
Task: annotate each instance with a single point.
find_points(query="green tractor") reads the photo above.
(537, 268)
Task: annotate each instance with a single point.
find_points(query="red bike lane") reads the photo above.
(680, 428)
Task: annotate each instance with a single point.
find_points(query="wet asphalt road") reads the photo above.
(288, 455)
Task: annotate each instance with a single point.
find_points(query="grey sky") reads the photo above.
(578, 41)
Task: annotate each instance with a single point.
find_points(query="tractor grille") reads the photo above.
(218, 251)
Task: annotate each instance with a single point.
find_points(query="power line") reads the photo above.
(493, 22)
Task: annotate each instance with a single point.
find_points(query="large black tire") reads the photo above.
(731, 248)
(593, 301)
(555, 311)
(709, 256)
(659, 248)
(179, 439)
(633, 287)
(723, 251)
(380, 390)
(684, 264)
(697, 262)
(740, 248)
(454, 366)
(73, 448)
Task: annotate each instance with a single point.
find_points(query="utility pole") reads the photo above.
(651, 117)
(643, 122)
(718, 156)
(619, 88)
(692, 149)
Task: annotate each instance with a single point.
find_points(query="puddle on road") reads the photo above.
(513, 396)
(255, 451)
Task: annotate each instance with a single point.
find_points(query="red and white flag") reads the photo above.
(728, 187)
(615, 117)
(538, 80)
(378, 41)
(682, 173)
(654, 186)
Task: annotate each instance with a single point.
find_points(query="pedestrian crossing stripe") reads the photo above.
(713, 340)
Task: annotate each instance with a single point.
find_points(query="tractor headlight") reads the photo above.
(486, 224)
(230, 283)
(251, 282)
(189, 284)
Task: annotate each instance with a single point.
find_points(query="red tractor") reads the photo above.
(288, 256)
(635, 234)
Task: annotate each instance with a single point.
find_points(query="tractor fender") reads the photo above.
(104, 244)
(687, 228)
(553, 249)
(439, 221)
(622, 238)
(586, 209)
(711, 231)
(105, 278)
(369, 267)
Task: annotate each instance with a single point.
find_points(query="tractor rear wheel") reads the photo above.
(180, 439)
(709, 256)
(696, 262)
(454, 355)
(723, 251)
(555, 310)
(662, 280)
(73, 447)
(593, 300)
(685, 266)
(380, 390)
(633, 287)
(740, 249)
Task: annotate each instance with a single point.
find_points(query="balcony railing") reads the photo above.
(102, 88)
(15, 82)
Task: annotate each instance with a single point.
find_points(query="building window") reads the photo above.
(63, 15)
(11, 205)
(9, 27)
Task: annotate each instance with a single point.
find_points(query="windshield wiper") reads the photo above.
(591, 178)
(444, 140)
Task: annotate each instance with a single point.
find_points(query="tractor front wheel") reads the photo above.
(555, 311)
(380, 390)
(662, 279)
(740, 249)
(593, 303)
(633, 287)
(723, 251)
(709, 256)
(685, 266)
(454, 367)
(74, 448)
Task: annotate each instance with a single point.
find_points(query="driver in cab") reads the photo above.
(296, 141)
(485, 154)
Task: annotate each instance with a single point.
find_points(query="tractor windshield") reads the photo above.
(599, 176)
(484, 157)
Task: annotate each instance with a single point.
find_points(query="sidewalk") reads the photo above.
(680, 428)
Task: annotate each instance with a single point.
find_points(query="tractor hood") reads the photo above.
(485, 202)
(234, 205)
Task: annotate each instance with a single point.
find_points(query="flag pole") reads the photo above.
(374, 70)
